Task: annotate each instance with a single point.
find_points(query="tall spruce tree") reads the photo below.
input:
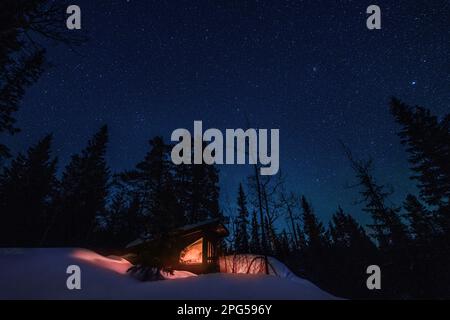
(427, 139)
(346, 232)
(301, 241)
(255, 243)
(283, 247)
(352, 248)
(22, 59)
(313, 228)
(84, 189)
(197, 189)
(421, 220)
(315, 254)
(13, 82)
(152, 182)
(388, 228)
(241, 239)
(123, 222)
(430, 261)
(27, 191)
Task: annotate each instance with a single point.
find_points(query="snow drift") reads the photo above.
(41, 274)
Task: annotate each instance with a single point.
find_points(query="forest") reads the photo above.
(88, 205)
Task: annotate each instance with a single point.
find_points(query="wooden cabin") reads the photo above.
(199, 246)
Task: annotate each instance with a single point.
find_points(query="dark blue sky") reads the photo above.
(309, 68)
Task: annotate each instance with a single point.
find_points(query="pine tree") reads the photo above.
(315, 255)
(283, 249)
(197, 189)
(12, 89)
(313, 228)
(153, 183)
(289, 202)
(420, 220)
(428, 252)
(241, 241)
(255, 244)
(353, 250)
(123, 223)
(428, 143)
(255, 183)
(388, 228)
(22, 59)
(301, 241)
(84, 189)
(345, 232)
(27, 190)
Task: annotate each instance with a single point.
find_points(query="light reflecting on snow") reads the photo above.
(177, 274)
(113, 263)
(104, 278)
(120, 265)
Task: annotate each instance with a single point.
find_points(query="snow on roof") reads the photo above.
(199, 224)
(184, 228)
(134, 243)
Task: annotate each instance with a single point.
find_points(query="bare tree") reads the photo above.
(290, 202)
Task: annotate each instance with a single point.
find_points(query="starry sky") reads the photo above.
(309, 68)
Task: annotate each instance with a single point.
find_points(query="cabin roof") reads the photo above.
(211, 225)
(214, 224)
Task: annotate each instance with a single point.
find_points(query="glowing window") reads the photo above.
(193, 253)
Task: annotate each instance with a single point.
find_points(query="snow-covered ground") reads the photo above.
(41, 274)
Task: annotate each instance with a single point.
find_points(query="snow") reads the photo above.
(41, 274)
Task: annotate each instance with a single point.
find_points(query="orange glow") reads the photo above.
(192, 254)
(243, 263)
(116, 264)
(120, 265)
(177, 274)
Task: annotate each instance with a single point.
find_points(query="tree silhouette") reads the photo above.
(428, 143)
(27, 191)
(22, 58)
(255, 243)
(421, 220)
(313, 228)
(351, 251)
(84, 188)
(388, 228)
(241, 244)
(316, 243)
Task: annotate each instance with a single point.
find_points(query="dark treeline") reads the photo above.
(410, 241)
(88, 206)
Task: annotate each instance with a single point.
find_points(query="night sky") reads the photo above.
(310, 68)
